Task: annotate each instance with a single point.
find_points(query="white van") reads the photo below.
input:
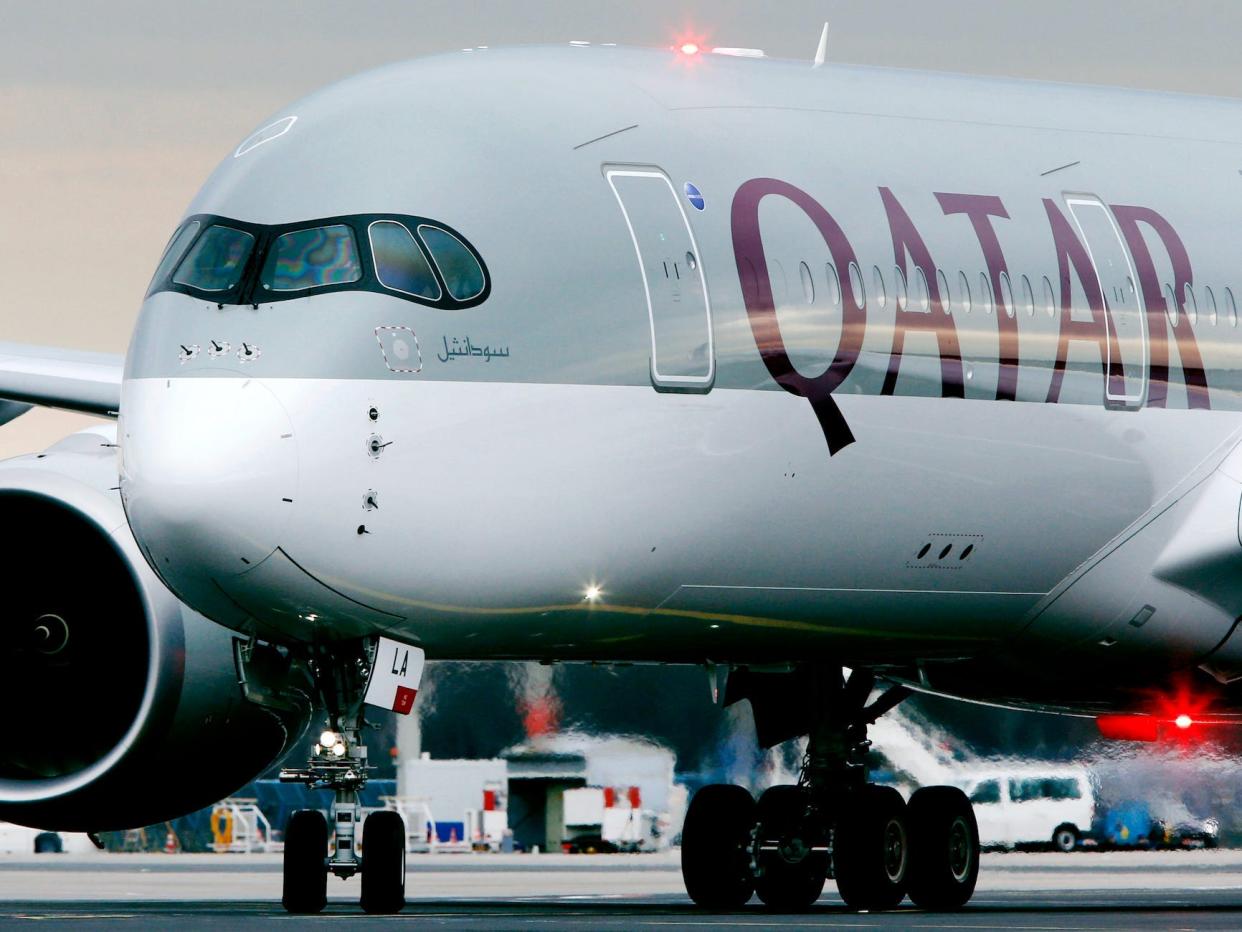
(1046, 805)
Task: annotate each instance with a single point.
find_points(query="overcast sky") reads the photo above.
(113, 112)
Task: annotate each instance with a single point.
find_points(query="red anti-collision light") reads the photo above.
(1183, 721)
(1128, 727)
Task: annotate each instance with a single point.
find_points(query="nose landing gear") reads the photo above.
(833, 823)
(339, 764)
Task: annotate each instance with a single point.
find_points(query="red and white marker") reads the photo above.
(395, 677)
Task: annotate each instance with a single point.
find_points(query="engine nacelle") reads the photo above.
(124, 706)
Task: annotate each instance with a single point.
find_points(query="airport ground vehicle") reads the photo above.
(1052, 806)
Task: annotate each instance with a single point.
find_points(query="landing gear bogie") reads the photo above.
(833, 823)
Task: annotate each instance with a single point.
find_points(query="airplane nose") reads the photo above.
(208, 473)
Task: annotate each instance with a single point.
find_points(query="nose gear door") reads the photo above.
(678, 308)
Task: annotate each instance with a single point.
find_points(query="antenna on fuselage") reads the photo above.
(821, 53)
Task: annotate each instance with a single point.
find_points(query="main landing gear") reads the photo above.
(833, 824)
(339, 764)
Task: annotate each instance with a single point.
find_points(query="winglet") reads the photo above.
(821, 53)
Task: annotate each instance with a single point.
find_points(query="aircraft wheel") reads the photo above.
(306, 870)
(792, 877)
(944, 848)
(383, 863)
(715, 847)
(871, 851)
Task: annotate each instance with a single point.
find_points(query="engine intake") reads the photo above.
(111, 683)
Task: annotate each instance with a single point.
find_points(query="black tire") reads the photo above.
(1065, 839)
(715, 847)
(944, 848)
(48, 843)
(793, 878)
(871, 851)
(306, 868)
(383, 863)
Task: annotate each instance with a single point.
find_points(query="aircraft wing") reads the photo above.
(58, 378)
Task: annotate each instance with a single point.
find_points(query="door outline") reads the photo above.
(1125, 400)
(660, 382)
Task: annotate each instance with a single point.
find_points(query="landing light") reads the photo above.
(339, 749)
(593, 593)
(328, 739)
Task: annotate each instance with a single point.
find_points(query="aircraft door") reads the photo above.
(1126, 320)
(678, 308)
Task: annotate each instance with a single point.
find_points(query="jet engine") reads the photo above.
(124, 707)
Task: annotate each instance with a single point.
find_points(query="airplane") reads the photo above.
(845, 383)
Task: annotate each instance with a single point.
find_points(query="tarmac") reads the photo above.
(1030, 891)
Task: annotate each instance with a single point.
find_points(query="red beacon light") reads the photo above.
(1183, 721)
(689, 48)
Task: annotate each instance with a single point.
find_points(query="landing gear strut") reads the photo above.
(833, 823)
(339, 764)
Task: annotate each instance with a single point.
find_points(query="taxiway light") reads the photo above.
(328, 739)
(1183, 721)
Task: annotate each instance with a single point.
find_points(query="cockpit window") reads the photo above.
(231, 261)
(399, 262)
(173, 252)
(216, 261)
(312, 259)
(460, 270)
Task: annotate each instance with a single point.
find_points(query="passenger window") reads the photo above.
(808, 286)
(1231, 307)
(1209, 304)
(922, 297)
(173, 252)
(856, 285)
(216, 261)
(312, 258)
(985, 293)
(899, 287)
(942, 283)
(1050, 297)
(462, 274)
(1170, 298)
(1006, 294)
(1028, 296)
(834, 286)
(986, 792)
(877, 283)
(963, 286)
(1192, 306)
(400, 263)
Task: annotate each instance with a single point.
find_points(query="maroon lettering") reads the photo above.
(980, 209)
(1158, 323)
(752, 268)
(1073, 256)
(906, 239)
